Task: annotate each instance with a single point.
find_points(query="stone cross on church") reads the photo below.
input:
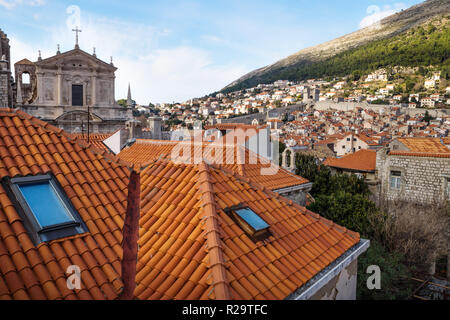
(76, 30)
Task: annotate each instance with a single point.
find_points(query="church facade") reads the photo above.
(70, 88)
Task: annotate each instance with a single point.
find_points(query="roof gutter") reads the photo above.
(305, 187)
(326, 275)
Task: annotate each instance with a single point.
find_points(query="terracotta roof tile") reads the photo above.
(423, 147)
(362, 160)
(253, 270)
(250, 166)
(30, 146)
(95, 139)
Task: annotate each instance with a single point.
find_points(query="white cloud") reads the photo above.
(36, 3)
(175, 74)
(156, 74)
(376, 13)
(214, 39)
(10, 4)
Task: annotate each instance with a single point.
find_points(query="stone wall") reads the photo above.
(5, 72)
(351, 106)
(298, 196)
(4, 84)
(28, 91)
(423, 179)
(248, 119)
(341, 287)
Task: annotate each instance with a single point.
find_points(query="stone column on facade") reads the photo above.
(292, 165)
(59, 86)
(85, 93)
(94, 89)
(284, 159)
(39, 79)
(19, 98)
(113, 96)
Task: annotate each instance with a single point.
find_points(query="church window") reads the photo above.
(25, 78)
(77, 95)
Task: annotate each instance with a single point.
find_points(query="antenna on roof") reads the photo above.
(58, 51)
(94, 54)
(39, 57)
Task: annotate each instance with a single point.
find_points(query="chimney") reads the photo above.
(134, 128)
(130, 237)
(155, 127)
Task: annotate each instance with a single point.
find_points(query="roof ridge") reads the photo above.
(215, 249)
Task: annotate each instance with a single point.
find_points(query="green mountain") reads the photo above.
(418, 36)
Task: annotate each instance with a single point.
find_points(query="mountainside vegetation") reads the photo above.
(426, 45)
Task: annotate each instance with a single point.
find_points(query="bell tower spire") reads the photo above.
(129, 100)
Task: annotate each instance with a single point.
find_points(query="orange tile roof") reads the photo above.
(250, 165)
(95, 139)
(96, 187)
(189, 248)
(362, 160)
(423, 147)
(446, 140)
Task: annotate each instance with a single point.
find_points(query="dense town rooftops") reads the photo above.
(191, 245)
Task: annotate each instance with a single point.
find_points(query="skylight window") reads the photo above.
(255, 226)
(46, 211)
(252, 219)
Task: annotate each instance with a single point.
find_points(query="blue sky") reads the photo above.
(175, 50)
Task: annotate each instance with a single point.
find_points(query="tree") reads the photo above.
(306, 166)
(427, 117)
(281, 148)
(409, 85)
(122, 102)
(395, 283)
(352, 211)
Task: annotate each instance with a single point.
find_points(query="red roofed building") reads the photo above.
(362, 163)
